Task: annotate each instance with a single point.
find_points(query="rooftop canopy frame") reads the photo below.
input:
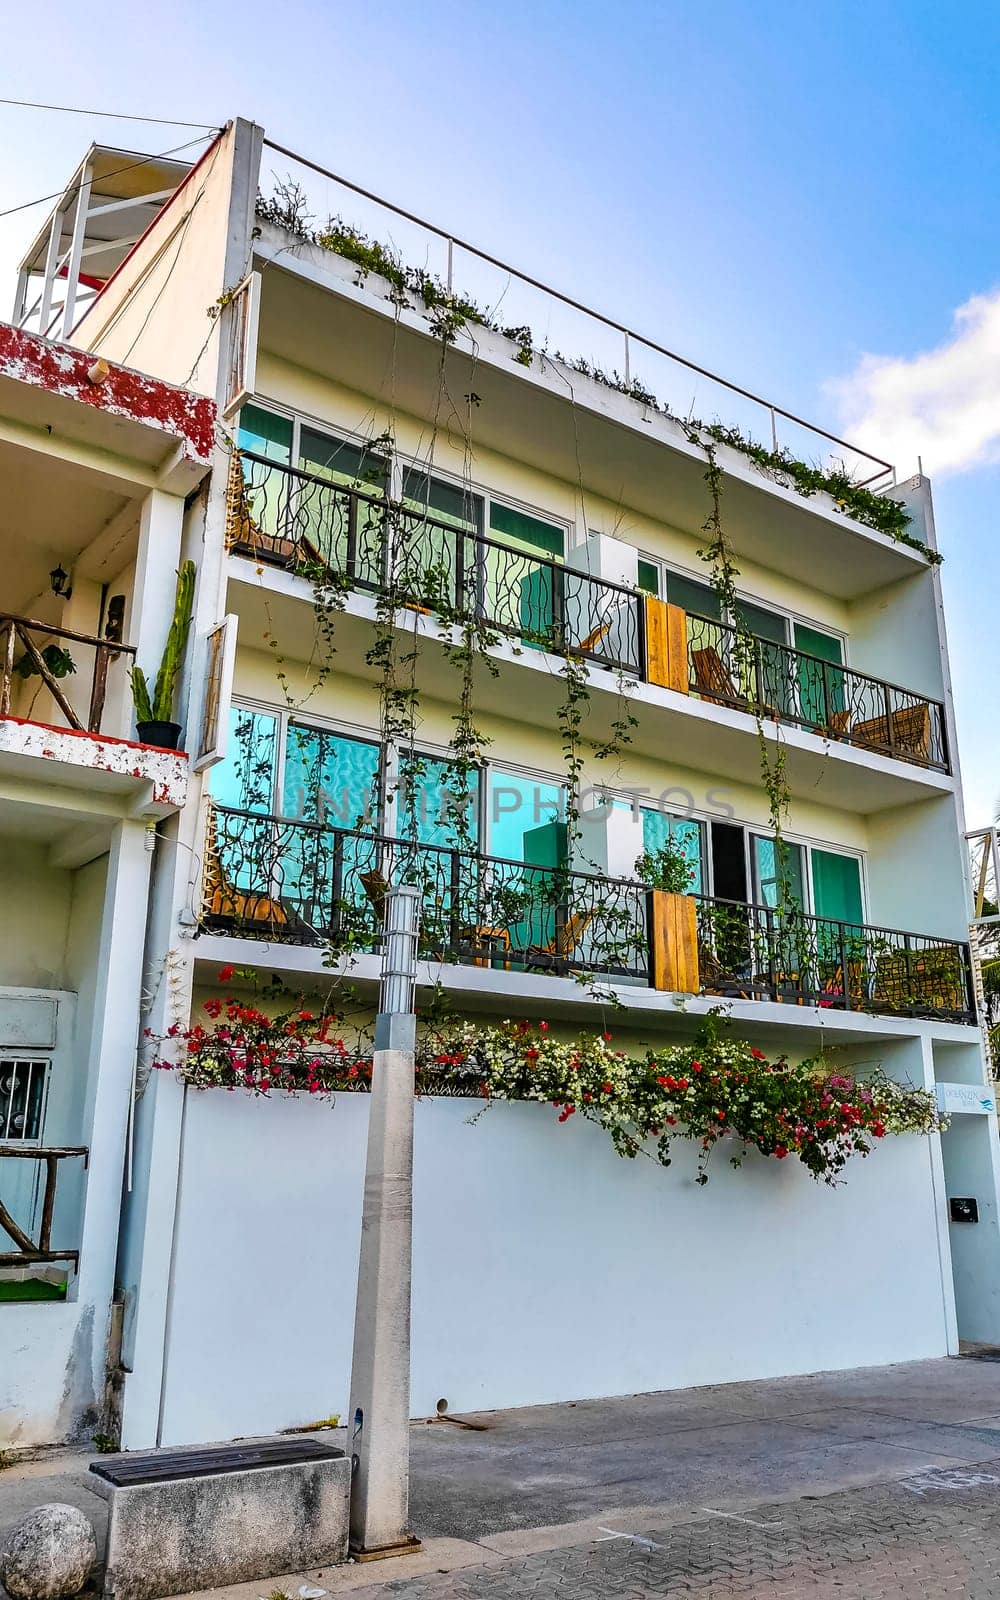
(111, 200)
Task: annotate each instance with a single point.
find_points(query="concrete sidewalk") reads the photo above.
(545, 1484)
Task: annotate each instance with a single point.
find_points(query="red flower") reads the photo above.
(696, 1066)
(606, 1037)
(212, 1007)
(225, 974)
(758, 1055)
(607, 1088)
(878, 1129)
(780, 1152)
(543, 1027)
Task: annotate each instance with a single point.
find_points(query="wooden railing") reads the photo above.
(42, 657)
(33, 1252)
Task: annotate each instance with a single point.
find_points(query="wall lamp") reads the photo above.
(60, 584)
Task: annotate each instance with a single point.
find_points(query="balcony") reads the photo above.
(305, 883)
(791, 686)
(30, 650)
(288, 518)
(64, 701)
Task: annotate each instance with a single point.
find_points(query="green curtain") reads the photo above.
(837, 886)
(821, 690)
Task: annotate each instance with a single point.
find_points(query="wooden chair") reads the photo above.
(376, 886)
(930, 979)
(833, 984)
(223, 902)
(543, 957)
(908, 729)
(712, 679)
(716, 978)
(594, 638)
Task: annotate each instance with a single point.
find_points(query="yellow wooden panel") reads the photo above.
(674, 938)
(677, 661)
(656, 642)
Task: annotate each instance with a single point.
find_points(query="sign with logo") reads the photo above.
(954, 1098)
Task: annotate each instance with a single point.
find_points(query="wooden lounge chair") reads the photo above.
(907, 730)
(543, 957)
(224, 903)
(712, 679)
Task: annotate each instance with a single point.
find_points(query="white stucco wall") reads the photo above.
(545, 1268)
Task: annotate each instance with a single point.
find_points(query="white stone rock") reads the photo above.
(49, 1554)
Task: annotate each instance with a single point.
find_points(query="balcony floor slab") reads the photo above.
(66, 770)
(620, 1005)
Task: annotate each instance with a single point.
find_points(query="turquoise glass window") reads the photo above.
(432, 797)
(266, 434)
(648, 577)
(766, 876)
(837, 886)
(685, 835)
(245, 778)
(330, 778)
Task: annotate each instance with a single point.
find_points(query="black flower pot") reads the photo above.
(165, 735)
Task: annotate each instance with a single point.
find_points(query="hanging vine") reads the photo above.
(718, 555)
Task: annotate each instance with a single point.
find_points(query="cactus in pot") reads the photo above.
(153, 713)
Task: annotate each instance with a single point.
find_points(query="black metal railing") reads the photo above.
(309, 882)
(792, 686)
(296, 519)
(758, 952)
(299, 520)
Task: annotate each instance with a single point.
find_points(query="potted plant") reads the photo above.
(673, 922)
(153, 714)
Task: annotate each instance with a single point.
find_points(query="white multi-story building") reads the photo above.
(386, 441)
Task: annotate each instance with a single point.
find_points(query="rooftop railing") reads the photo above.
(276, 878)
(562, 322)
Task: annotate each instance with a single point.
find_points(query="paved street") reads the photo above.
(933, 1535)
(877, 1483)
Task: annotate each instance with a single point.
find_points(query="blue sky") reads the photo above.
(801, 197)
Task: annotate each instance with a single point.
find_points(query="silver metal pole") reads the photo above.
(379, 1416)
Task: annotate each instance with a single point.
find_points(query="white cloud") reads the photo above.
(942, 404)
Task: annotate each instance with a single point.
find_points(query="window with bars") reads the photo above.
(23, 1085)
